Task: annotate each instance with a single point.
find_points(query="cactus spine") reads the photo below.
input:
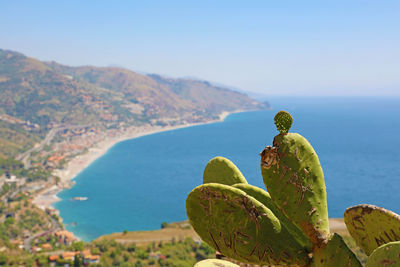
(287, 226)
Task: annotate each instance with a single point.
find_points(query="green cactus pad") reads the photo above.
(215, 263)
(263, 196)
(240, 227)
(372, 226)
(293, 176)
(283, 121)
(334, 254)
(221, 170)
(387, 255)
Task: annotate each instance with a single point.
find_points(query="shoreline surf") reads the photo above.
(49, 196)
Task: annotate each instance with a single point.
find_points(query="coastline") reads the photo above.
(48, 197)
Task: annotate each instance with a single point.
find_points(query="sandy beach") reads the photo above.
(46, 198)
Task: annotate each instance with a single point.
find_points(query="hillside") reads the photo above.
(37, 96)
(162, 97)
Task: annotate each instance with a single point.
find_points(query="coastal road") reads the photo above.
(55, 226)
(24, 157)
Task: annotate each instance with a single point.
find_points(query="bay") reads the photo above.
(140, 183)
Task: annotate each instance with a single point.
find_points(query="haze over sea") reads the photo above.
(140, 183)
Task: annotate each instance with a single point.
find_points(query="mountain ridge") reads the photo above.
(39, 96)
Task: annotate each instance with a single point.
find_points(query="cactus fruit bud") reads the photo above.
(386, 255)
(372, 226)
(283, 121)
(223, 171)
(215, 263)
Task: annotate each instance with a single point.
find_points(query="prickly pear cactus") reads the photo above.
(372, 226)
(223, 171)
(215, 263)
(263, 196)
(387, 255)
(241, 227)
(293, 176)
(287, 226)
(334, 254)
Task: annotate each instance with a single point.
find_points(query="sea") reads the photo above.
(140, 183)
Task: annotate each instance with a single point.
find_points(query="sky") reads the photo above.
(281, 47)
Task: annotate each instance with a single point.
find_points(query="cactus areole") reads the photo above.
(286, 226)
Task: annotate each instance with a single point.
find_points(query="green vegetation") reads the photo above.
(5, 189)
(180, 253)
(14, 139)
(20, 219)
(11, 166)
(288, 225)
(78, 246)
(15, 167)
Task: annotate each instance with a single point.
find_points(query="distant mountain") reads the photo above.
(37, 96)
(262, 97)
(162, 97)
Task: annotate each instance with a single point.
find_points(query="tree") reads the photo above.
(3, 259)
(9, 221)
(6, 187)
(132, 247)
(78, 261)
(78, 246)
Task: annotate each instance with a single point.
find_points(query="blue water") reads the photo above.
(140, 183)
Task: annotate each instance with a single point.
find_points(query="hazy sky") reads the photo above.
(273, 47)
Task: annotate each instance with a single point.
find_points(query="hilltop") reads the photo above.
(36, 97)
